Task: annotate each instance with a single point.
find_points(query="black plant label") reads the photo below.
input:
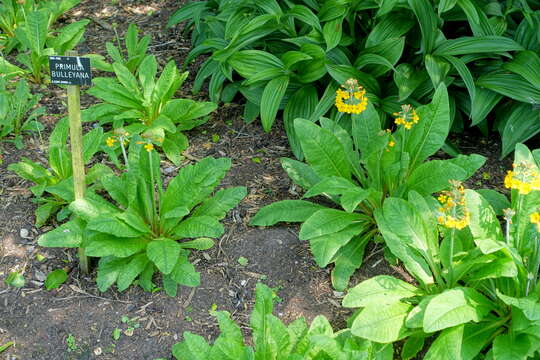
(70, 70)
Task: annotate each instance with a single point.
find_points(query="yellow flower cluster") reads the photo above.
(352, 100)
(111, 140)
(149, 147)
(453, 210)
(120, 134)
(535, 219)
(406, 117)
(523, 178)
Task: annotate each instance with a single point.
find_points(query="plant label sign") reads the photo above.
(70, 70)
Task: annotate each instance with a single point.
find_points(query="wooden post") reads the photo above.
(75, 134)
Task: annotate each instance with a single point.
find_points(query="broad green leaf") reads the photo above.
(380, 290)
(330, 185)
(429, 134)
(521, 124)
(101, 245)
(525, 64)
(411, 347)
(346, 261)
(498, 201)
(135, 266)
(199, 226)
(164, 254)
(433, 176)
(448, 345)
(109, 269)
(484, 101)
(259, 320)
(67, 235)
(198, 244)
(427, 19)
(454, 307)
(511, 347)
(325, 247)
(529, 305)
(300, 105)
(332, 32)
(184, 273)
(477, 44)
(272, 95)
(112, 225)
(484, 225)
(55, 279)
(383, 324)
(323, 150)
(223, 201)
(327, 221)
(286, 211)
(304, 14)
(249, 63)
(194, 347)
(510, 85)
(366, 129)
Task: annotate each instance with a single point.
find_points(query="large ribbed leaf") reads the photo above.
(423, 10)
(521, 124)
(300, 105)
(526, 64)
(512, 86)
(272, 95)
(478, 44)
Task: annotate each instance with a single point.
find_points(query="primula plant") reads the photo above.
(149, 229)
(274, 340)
(39, 41)
(358, 173)
(19, 112)
(477, 288)
(53, 189)
(145, 105)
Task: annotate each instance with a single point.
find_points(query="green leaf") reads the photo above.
(477, 44)
(498, 201)
(199, 226)
(346, 261)
(198, 244)
(272, 95)
(430, 133)
(286, 211)
(300, 105)
(112, 225)
(164, 254)
(447, 346)
(67, 235)
(383, 324)
(249, 63)
(327, 221)
(511, 347)
(325, 247)
(411, 347)
(427, 19)
(323, 150)
(526, 64)
(510, 85)
(433, 176)
(380, 290)
(484, 225)
(521, 123)
(332, 32)
(135, 267)
(15, 279)
(184, 273)
(223, 201)
(194, 347)
(108, 270)
(100, 245)
(55, 279)
(454, 307)
(330, 185)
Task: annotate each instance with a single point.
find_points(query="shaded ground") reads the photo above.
(78, 322)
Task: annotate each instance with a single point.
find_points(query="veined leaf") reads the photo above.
(272, 95)
(286, 211)
(164, 254)
(380, 290)
(477, 44)
(327, 221)
(510, 85)
(383, 324)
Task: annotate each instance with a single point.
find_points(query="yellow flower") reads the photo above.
(406, 117)
(524, 178)
(453, 212)
(352, 100)
(110, 141)
(149, 147)
(391, 143)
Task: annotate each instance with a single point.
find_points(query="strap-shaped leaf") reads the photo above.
(271, 98)
(328, 221)
(286, 211)
(478, 44)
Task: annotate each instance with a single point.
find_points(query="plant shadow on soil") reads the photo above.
(76, 321)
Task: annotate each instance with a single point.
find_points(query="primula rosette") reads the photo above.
(352, 100)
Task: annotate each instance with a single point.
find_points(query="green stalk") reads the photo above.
(153, 182)
(126, 163)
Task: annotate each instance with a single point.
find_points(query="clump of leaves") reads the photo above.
(53, 189)
(149, 229)
(358, 173)
(19, 112)
(477, 280)
(274, 340)
(147, 105)
(40, 41)
(131, 55)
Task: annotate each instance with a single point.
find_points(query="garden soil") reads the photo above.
(77, 321)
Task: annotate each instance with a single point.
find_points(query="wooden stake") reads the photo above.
(75, 134)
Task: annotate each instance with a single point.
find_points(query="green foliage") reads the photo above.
(147, 105)
(357, 173)
(148, 228)
(274, 340)
(477, 287)
(55, 279)
(13, 15)
(131, 55)
(53, 187)
(38, 40)
(15, 279)
(19, 111)
(288, 55)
